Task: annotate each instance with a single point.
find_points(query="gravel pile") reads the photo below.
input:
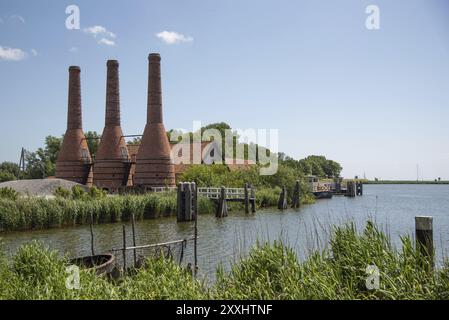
(40, 187)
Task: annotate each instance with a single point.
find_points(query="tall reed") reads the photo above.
(269, 271)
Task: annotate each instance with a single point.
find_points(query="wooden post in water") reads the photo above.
(297, 195)
(350, 189)
(195, 250)
(359, 188)
(253, 199)
(194, 200)
(188, 202)
(134, 238)
(424, 237)
(180, 213)
(222, 208)
(92, 246)
(246, 199)
(124, 250)
(282, 204)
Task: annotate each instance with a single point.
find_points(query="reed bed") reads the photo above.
(39, 213)
(78, 207)
(269, 271)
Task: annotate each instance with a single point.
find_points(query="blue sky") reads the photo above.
(377, 101)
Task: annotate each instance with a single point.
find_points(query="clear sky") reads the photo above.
(377, 101)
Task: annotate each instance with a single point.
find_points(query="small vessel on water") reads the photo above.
(321, 189)
(102, 264)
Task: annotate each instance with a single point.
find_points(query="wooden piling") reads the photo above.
(222, 208)
(424, 237)
(124, 250)
(92, 246)
(296, 195)
(194, 189)
(246, 199)
(134, 238)
(282, 203)
(180, 213)
(195, 249)
(359, 188)
(253, 199)
(350, 189)
(188, 202)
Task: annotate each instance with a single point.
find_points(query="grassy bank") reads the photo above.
(269, 271)
(23, 213)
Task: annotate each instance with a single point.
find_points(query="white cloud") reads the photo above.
(105, 34)
(73, 49)
(106, 42)
(34, 52)
(17, 17)
(99, 30)
(11, 54)
(172, 37)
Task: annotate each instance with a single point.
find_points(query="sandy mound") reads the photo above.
(40, 187)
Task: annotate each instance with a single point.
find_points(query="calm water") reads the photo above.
(393, 207)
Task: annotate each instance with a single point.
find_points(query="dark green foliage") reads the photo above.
(61, 192)
(8, 171)
(8, 193)
(93, 141)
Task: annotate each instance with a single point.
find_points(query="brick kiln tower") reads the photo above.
(154, 165)
(112, 162)
(74, 161)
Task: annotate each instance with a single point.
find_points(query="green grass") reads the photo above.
(39, 213)
(269, 271)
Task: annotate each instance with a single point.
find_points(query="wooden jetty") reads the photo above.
(188, 194)
(223, 195)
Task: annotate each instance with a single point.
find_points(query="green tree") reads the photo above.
(42, 162)
(135, 141)
(8, 171)
(93, 141)
(9, 167)
(6, 176)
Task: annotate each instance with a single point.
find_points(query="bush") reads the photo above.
(97, 193)
(6, 176)
(61, 192)
(78, 193)
(9, 193)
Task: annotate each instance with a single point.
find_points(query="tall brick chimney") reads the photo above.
(74, 161)
(154, 165)
(111, 168)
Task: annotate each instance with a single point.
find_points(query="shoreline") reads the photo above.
(411, 182)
